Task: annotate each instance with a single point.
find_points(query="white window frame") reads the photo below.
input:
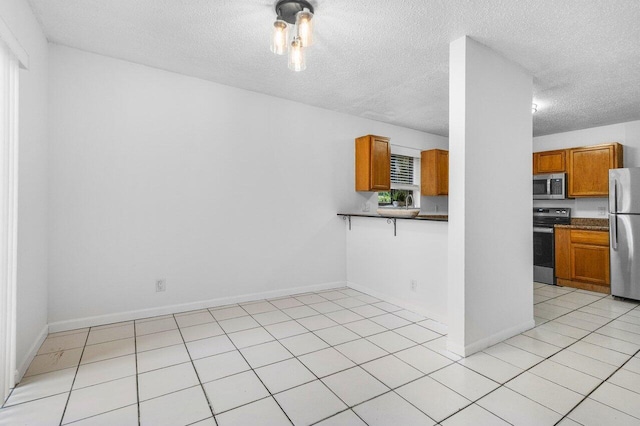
(415, 188)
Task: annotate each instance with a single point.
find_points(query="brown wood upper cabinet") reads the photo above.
(588, 169)
(550, 162)
(582, 259)
(434, 172)
(373, 163)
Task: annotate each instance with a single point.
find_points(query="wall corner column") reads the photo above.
(490, 268)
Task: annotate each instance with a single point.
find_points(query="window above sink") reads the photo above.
(405, 179)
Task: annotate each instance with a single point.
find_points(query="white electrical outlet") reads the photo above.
(602, 211)
(366, 207)
(161, 285)
(414, 285)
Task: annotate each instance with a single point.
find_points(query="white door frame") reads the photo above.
(9, 70)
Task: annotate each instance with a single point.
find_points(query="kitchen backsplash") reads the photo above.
(580, 207)
(437, 205)
(428, 205)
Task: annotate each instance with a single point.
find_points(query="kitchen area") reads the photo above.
(573, 245)
(588, 252)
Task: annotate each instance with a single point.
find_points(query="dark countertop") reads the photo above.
(432, 217)
(588, 224)
(440, 217)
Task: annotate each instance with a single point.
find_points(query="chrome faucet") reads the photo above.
(406, 201)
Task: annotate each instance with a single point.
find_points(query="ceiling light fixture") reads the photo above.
(534, 108)
(300, 14)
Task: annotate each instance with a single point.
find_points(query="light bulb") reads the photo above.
(304, 27)
(279, 37)
(296, 56)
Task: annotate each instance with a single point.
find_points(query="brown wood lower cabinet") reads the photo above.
(582, 259)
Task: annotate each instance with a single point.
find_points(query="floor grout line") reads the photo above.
(256, 374)
(66, 405)
(596, 388)
(296, 358)
(135, 348)
(197, 374)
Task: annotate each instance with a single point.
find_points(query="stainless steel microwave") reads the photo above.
(550, 187)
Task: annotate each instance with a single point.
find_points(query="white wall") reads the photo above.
(628, 134)
(490, 240)
(32, 205)
(222, 192)
(384, 265)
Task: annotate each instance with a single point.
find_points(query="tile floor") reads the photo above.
(338, 357)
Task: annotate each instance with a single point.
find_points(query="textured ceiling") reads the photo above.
(381, 59)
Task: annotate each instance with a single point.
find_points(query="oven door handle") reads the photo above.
(543, 230)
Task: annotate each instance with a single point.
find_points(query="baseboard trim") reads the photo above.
(398, 302)
(481, 344)
(93, 321)
(31, 354)
(604, 288)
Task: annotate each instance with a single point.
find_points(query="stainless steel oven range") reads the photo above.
(544, 254)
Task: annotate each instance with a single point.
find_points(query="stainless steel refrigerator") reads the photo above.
(624, 232)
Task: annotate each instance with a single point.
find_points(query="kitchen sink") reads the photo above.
(397, 212)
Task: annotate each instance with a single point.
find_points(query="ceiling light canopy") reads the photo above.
(298, 13)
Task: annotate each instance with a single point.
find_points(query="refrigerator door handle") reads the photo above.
(615, 196)
(614, 232)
